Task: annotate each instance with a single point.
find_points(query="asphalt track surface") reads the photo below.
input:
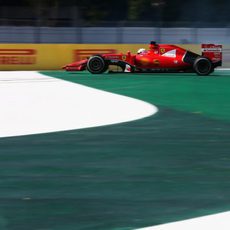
(168, 167)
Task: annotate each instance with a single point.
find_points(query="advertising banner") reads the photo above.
(54, 56)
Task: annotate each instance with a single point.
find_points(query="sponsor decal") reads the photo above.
(144, 61)
(124, 57)
(112, 57)
(80, 54)
(156, 62)
(17, 56)
(162, 50)
(114, 61)
(171, 53)
(212, 49)
(127, 68)
(215, 59)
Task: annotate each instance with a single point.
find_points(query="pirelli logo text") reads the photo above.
(17, 56)
(80, 54)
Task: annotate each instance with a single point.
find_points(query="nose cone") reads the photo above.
(76, 66)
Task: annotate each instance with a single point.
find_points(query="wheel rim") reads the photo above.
(203, 66)
(96, 64)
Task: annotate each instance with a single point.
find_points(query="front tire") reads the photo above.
(202, 66)
(96, 65)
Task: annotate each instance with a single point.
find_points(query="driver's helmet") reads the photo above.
(141, 51)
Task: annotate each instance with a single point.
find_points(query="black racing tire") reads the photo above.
(202, 66)
(96, 65)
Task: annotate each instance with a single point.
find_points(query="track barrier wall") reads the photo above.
(54, 56)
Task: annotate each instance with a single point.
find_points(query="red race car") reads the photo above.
(159, 58)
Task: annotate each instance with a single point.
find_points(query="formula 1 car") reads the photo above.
(159, 58)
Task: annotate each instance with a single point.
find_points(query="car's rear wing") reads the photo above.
(212, 52)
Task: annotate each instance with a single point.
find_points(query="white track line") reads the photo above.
(222, 69)
(33, 103)
(220, 221)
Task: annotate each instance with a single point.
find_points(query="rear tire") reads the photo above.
(202, 66)
(96, 65)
